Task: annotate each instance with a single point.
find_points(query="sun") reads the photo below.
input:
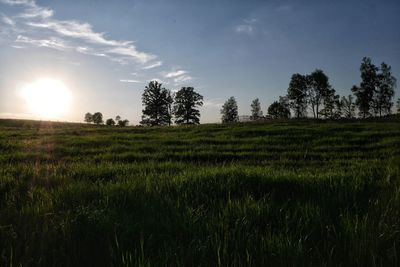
(47, 98)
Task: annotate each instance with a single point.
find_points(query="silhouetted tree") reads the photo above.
(348, 107)
(110, 122)
(117, 118)
(186, 105)
(365, 92)
(256, 112)
(229, 111)
(155, 101)
(98, 118)
(297, 94)
(332, 105)
(318, 86)
(398, 106)
(278, 110)
(284, 101)
(383, 102)
(88, 117)
(123, 123)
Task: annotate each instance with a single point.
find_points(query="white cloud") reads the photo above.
(38, 26)
(7, 20)
(213, 102)
(89, 51)
(132, 52)
(19, 2)
(42, 18)
(250, 21)
(50, 43)
(244, 29)
(183, 78)
(152, 66)
(173, 74)
(37, 12)
(129, 81)
(247, 27)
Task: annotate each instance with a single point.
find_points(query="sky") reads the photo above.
(105, 52)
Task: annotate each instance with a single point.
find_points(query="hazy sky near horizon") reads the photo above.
(106, 51)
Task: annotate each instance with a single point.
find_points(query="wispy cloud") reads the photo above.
(19, 2)
(50, 43)
(35, 17)
(247, 27)
(213, 102)
(129, 81)
(178, 76)
(7, 20)
(154, 65)
(89, 51)
(173, 74)
(38, 26)
(183, 78)
(37, 12)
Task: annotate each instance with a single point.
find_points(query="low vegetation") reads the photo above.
(285, 193)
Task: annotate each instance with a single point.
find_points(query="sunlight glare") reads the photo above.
(47, 98)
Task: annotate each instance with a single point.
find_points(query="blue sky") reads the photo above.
(106, 51)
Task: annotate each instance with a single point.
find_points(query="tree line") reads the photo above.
(312, 93)
(306, 94)
(97, 118)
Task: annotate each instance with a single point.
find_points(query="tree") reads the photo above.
(117, 118)
(348, 107)
(98, 118)
(398, 106)
(187, 102)
(88, 117)
(365, 92)
(332, 106)
(123, 123)
(278, 110)
(385, 91)
(317, 87)
(155, 101)
(256, 112)
(297, 93)
(229, 111)
(110, 122)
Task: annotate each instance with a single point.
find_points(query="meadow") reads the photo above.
(286, 193)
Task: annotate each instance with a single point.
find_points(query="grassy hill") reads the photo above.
(278, 194)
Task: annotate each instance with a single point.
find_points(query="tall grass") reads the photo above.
(274, 194)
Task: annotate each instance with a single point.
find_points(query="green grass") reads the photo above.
(274, 194)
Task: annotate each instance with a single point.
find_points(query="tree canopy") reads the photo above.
(88, 117)
(156, 101)
(278, 110)
(97, 118)
(256, 112)
(229, 111)
(187, 102)
(297, 94)
(110, 122)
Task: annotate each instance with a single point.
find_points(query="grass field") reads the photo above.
(272, 194)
